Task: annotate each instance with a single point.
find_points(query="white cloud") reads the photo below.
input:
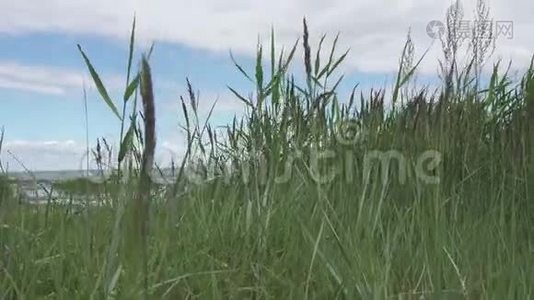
(223, 103)
(56, 155)
(374, 30)
(46, 79)
(41, 79)
(42, 155)
(225, 106)
(40, 88)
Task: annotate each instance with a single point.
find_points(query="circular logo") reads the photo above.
(435, 29)
(349, 132)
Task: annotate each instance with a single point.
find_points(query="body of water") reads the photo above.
(36, 187)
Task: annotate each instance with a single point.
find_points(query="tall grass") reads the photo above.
(283, 202)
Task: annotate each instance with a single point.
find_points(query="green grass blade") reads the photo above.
(127, 142)
(131, 88)
(130, 52)
(99, 85)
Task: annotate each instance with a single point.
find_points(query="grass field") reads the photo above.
(410, 194)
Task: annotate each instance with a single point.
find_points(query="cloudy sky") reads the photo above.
(42, 74)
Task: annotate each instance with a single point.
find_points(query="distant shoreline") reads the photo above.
(67, 175)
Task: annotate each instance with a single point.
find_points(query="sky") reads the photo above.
(42, 75)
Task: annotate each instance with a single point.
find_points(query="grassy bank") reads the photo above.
(421, 194)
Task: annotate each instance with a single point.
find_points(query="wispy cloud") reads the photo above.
(40, 79)
(220, 104)
(46, 79)
(43, 155)
(55, 155)
(45, 147)
(40, 88)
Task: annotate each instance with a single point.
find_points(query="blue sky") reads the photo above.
(42, 74)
